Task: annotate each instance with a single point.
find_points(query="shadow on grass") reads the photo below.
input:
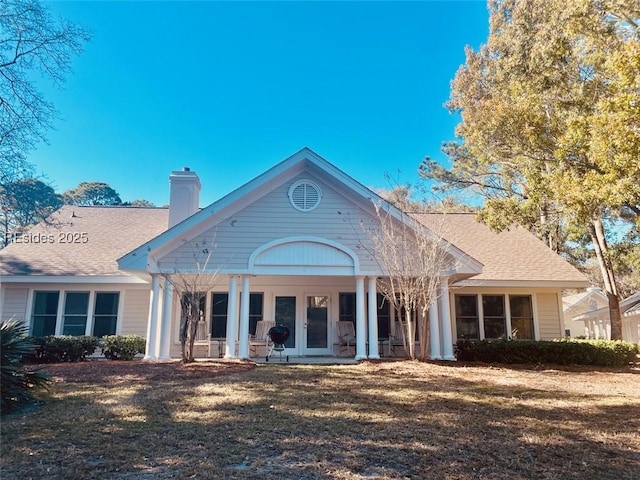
(312, 422)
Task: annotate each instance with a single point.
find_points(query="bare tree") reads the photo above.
(192, 288)
(31, 41)
(412, 257)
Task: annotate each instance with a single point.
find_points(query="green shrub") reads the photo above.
(122, 347)
(17, 384)
(563, 352)
(63, 348)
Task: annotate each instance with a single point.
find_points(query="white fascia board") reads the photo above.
(247, 193)
(73, 279)
(219, 210)
(556, 284)
(138, 259)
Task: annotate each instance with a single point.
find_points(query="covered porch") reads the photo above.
(312, 307)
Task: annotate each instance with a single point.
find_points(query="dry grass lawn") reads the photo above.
(387, 420)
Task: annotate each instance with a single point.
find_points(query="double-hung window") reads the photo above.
(521, 317)
(76, 306)
(467, 326)
(491, 322)
(105, 314)
(494, 317)
(82, 313)
(220, 306)
(45, 313)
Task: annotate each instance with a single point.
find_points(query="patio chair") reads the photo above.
(261, 337)
(346, 335)
(395, 337)
(203, 337)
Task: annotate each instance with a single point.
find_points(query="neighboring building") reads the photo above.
(594, 320)
(289, 247)
(579, 303)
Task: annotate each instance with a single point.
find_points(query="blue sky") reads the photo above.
(229, 89)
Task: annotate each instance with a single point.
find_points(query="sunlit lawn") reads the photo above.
(110, 420)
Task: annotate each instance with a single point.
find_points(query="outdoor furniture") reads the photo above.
(346, 335)
(395, 337)
(203, 337)
(261, 337)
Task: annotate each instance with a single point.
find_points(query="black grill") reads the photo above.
(278, 336)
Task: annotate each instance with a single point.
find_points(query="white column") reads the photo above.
(232, 319)
(165, 330)
(445, 317)
(507, 312)
(361, 326)
(373, 319)
(434, 332)
(151, 349)
(244, 318)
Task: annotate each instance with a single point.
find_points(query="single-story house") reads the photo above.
(595, 321)
(288, 247)
(574, 306)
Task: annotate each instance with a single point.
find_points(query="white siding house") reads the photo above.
(290, 247)
(595, 322)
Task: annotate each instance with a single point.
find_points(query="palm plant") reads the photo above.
(17, 384)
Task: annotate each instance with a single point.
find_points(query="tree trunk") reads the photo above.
(601, 249)
(423, 355)
(409, 334)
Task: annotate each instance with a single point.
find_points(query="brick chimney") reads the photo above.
(184, 195)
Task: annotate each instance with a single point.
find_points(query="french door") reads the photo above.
(316, 325)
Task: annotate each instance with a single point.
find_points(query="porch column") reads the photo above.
(244, 318)
(361, 326)
(373, 319)
(232, 319)
(165, 330)
(445, 317)
(434, 332)
(151, 348)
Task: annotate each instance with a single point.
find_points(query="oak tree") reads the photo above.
(24, 203)
(550, 122)
(91, 193)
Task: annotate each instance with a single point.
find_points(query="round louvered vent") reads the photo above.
(304, 195)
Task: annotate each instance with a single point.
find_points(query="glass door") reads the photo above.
(286, 315)
(317, 325)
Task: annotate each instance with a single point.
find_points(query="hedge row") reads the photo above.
(70, 348)
(562, 352)
(122, 347)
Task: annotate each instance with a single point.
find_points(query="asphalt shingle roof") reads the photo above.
(82, 241)
(511, 255)
(88, 241)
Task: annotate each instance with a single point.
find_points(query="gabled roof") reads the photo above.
(583, 301)
(513, 255)
(81, 241)
(629, 307)
(122, 237)
(304, 159)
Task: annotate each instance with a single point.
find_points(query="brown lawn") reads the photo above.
(388, 420)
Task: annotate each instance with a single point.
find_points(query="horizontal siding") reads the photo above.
(549, 322)
(632, 330)
(15, 304)
(271, 218)
(135, 313)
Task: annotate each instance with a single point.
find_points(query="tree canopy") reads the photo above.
(550, 122)
(24, 203)
(91, 193)
(31, 42)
